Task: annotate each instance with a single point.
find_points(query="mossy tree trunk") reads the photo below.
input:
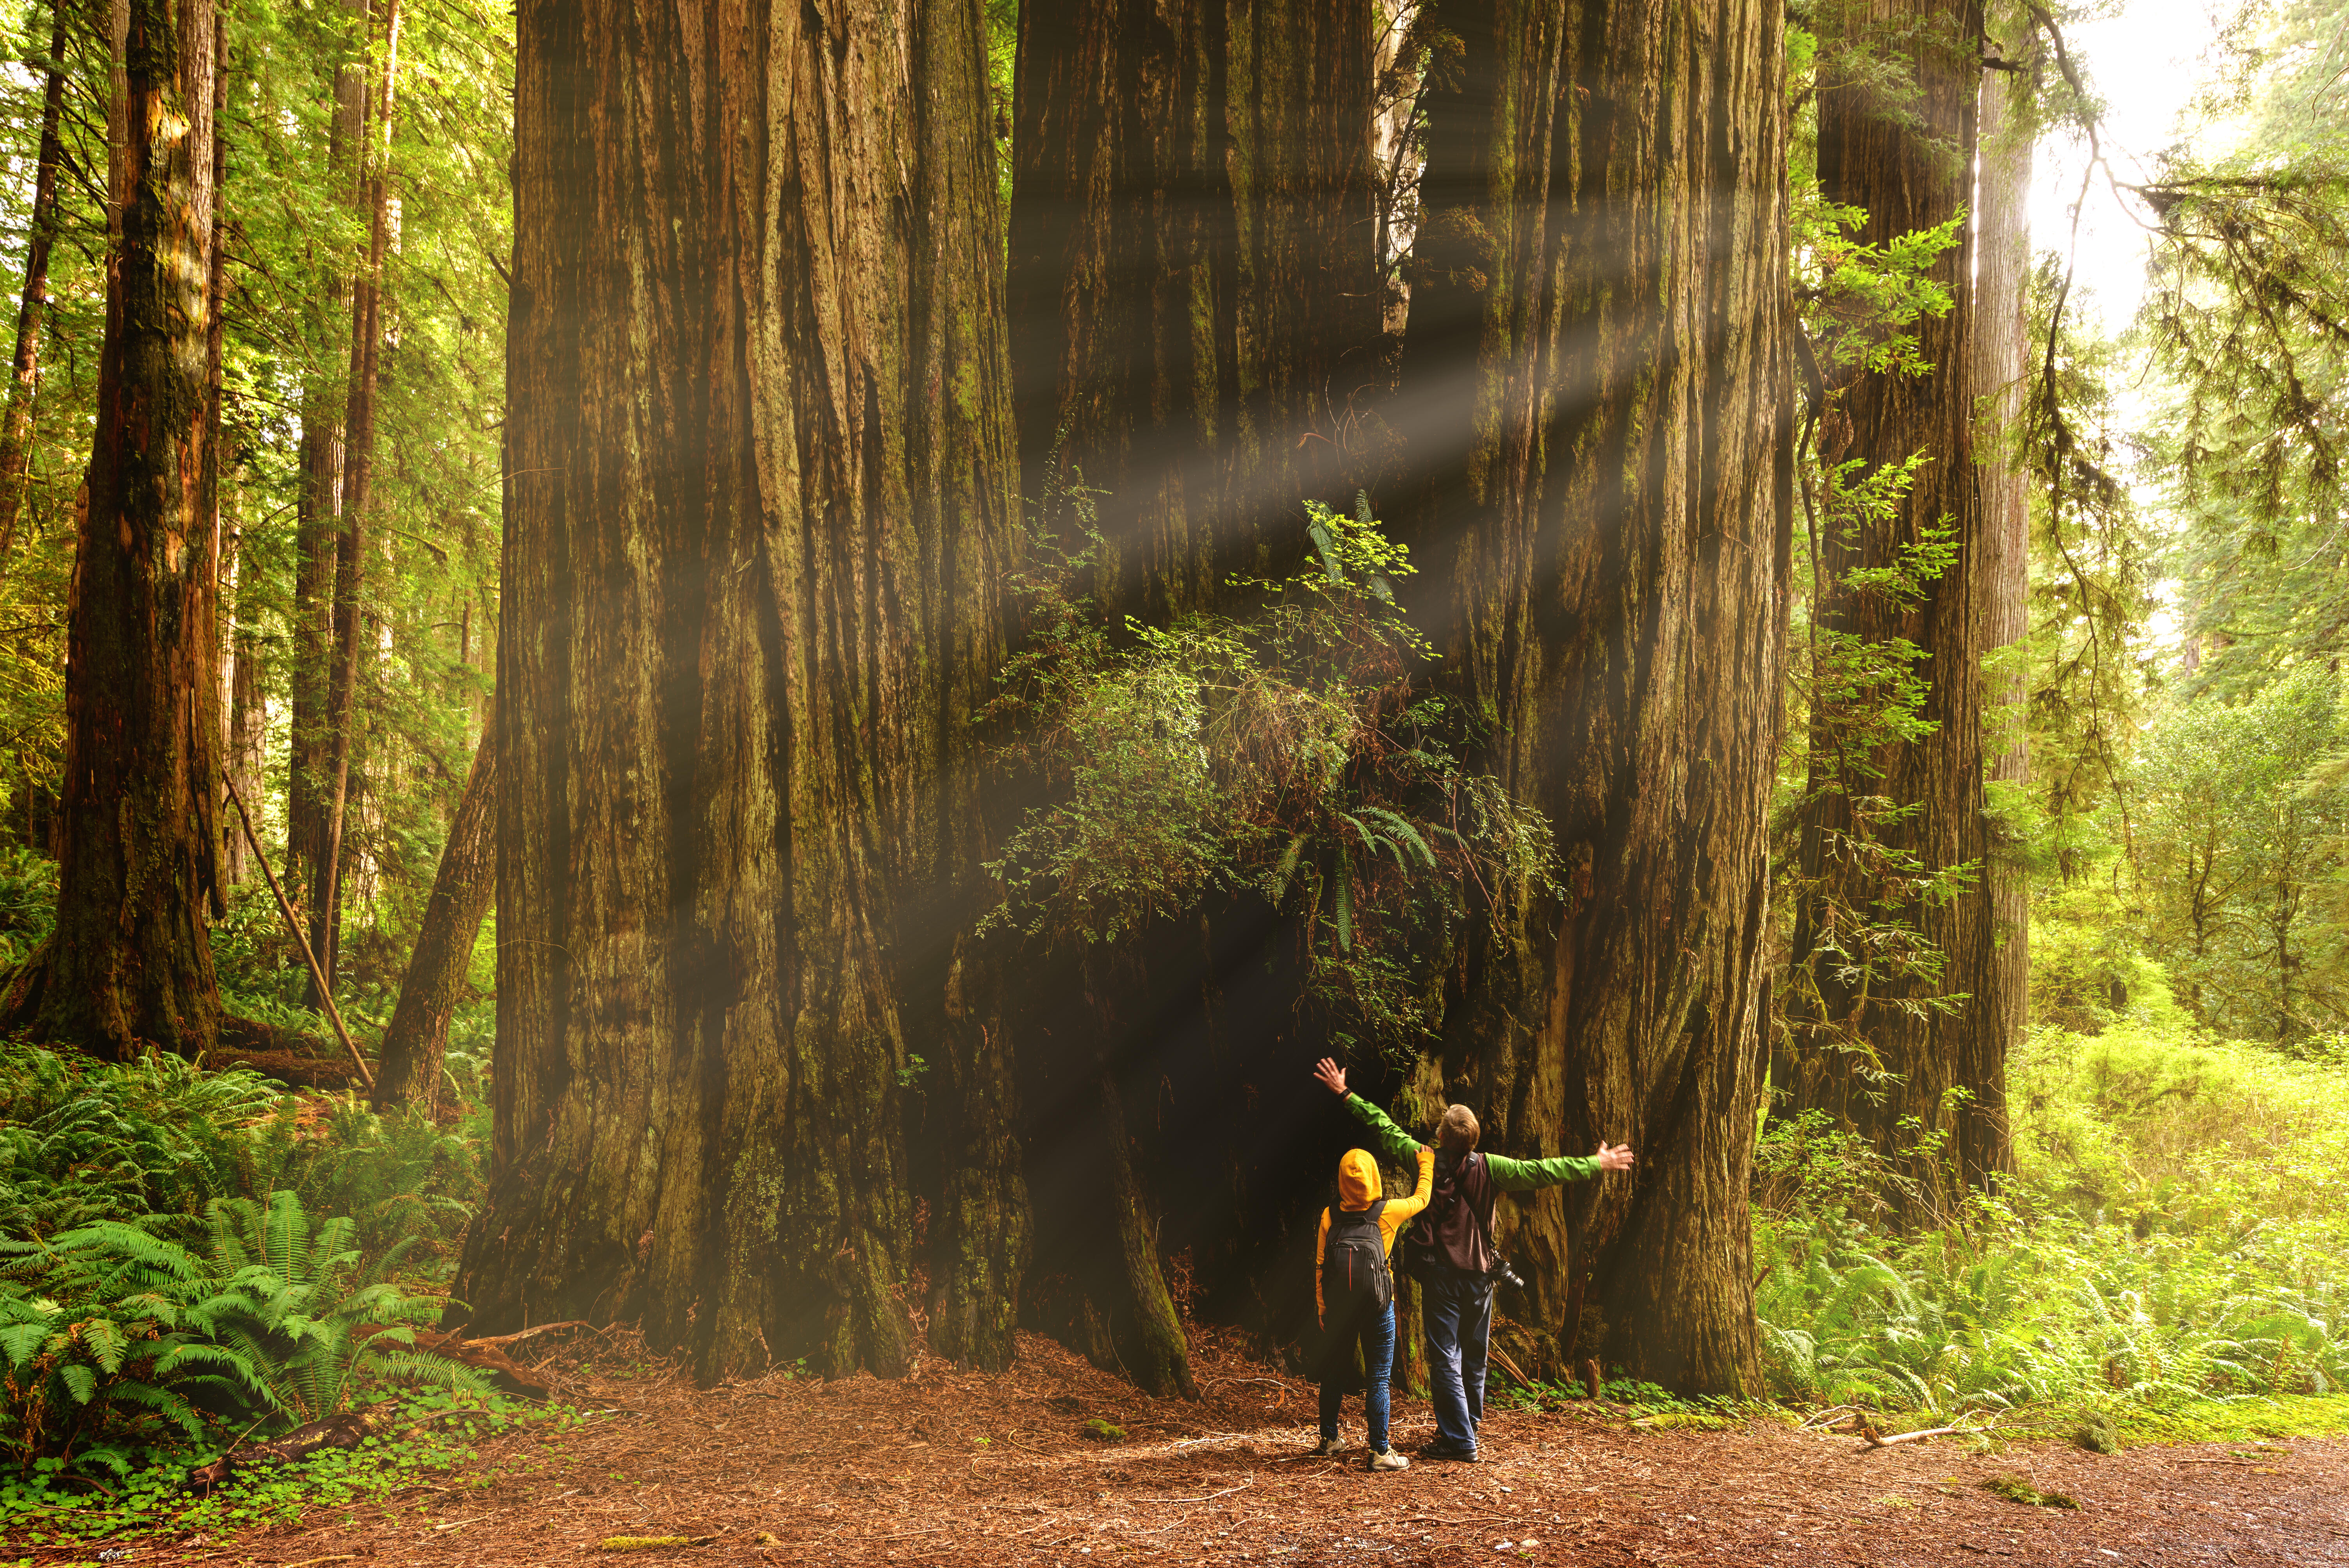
(1594, 389)
(129, 966)
(408, 1067)
(1929, 1090)
(758, 484)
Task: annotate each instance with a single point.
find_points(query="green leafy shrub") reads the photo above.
(1288, 755)
(28, 903)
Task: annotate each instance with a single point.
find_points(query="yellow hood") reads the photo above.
(1358, 1180)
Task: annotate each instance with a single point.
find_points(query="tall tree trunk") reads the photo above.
(1903, 151)
(1195, 326)
(1593, 393)
(408, 1067)
(757, 486)
(2002, 340)
(1193, 277)
(351, 546)
(129, 965)
(318, 504)
(16, 420)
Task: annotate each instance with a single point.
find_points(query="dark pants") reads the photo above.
(1458, 1308)
(1377, 1336)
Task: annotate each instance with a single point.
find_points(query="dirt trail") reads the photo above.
(955, 1467)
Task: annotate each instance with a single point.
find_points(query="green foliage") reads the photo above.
(156, 1141)
(1288, 755)
(1853, 697)
(2174, 1238)
(120, 1344)
(49, 1507)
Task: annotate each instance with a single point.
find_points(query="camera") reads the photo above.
(1501, 1273)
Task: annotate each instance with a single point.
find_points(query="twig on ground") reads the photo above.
(1225, 1492)
(1877, 1440)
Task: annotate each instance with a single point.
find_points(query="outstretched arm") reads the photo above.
(1524, 1175)
(1398, 1144)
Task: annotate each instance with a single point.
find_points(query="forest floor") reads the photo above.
(960, 1468)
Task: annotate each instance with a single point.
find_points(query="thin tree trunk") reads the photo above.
(1906, 158)
(16, 420)
(1593, 394)
(757, 489)
(1144, 1333)
(408, 1067)
(129, 965)
(2001, 337)
(351, 547)
(318, 501)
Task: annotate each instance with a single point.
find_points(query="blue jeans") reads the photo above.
(1458, 1308)
(1377, 1337)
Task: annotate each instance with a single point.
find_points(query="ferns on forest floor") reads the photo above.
(2177, 1235)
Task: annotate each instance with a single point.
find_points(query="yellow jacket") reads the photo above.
(1358, 1188)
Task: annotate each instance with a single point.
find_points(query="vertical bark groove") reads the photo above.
(756, 493)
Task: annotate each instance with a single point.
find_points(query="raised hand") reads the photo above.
(1332, 1075)
(1613, 1156)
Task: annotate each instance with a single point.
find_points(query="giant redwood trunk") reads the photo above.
(1194, 279)
(1593, 389)
(757, 482)
(2002, 342)
(129, 966)
(1195, 339)
(1901, 148)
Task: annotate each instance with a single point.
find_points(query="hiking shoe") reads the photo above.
(1439, 1449)
(1388, 1460)
(1323, 1449)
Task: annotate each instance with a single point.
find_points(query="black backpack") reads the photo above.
(1423, 1256)
(1354, 1278)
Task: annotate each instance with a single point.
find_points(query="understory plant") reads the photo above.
(2174, 1234)
(1291, 754)
(119, 1345)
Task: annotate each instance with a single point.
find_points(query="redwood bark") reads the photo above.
(408, 1065)
(1904, 153)
(1197, 337)
(2001, 343)
(1594, 394)
(351, 546)
(32, 310)
(129, 966)
(757, 488)
(1194, 275)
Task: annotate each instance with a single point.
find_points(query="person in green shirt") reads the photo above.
(1456, 1304)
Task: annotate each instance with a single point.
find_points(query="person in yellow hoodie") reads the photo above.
(1353, 1293)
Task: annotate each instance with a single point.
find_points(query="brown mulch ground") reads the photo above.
(957, 1468)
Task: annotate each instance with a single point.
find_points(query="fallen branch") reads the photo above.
(1874, 1439)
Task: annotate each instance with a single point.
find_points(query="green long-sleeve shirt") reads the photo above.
(1509, 1175)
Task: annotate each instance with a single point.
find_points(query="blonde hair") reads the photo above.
(1457, 1132)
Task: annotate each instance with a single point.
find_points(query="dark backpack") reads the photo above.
(1423, 1250)
(1354, 1279)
